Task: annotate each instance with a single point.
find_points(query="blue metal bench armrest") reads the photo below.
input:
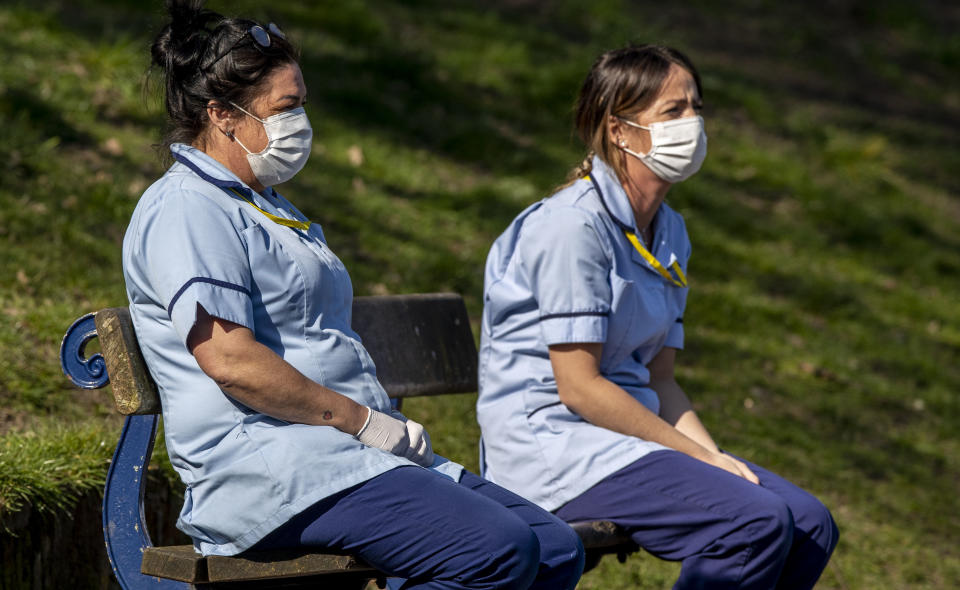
(124, 527)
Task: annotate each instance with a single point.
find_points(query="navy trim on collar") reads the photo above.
(602, 174)
(219, 182)
(603, 201)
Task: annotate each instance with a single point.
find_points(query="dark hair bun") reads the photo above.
(183, 41)
(205, 57)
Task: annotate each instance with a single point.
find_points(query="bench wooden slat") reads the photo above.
(134, 391)
(283, 564)
(182, 563)
(176, 562)
(421, 344)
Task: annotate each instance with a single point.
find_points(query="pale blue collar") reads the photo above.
(617, 204)
(211, 170)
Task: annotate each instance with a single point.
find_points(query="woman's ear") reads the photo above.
(615, 128)
(220, 117)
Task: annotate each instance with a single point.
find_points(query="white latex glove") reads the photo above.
(405, 439)
(420, 451)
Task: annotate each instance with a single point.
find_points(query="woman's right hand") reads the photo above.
(732, 465)
(404, 439)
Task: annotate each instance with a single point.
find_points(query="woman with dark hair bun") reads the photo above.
(584, 297)
(273, 416)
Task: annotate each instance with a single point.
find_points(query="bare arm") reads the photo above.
(257, 377)
(675, 407)
(603, 403)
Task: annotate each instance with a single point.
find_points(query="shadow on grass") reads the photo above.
(864, 63)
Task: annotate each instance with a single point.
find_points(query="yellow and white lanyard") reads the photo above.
(680, 280)
(295, 224)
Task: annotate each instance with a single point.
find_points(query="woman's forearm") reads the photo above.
(257, 377)
(604, 404)
(676, 409)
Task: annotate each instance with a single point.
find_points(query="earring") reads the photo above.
(623, 143)
(229, 134)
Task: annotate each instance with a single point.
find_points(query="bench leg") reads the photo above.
(124, 528)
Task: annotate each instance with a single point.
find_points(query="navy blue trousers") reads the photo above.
(436, 534)
(726, 531)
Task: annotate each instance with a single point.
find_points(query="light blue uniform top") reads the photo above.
(191, 241)
(564, 272)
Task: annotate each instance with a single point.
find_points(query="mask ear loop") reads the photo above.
(246, 112)
(637, 155)
(623, 144)
(233, 137)
(249, 114)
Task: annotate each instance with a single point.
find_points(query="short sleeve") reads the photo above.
(569, 275)
(675, 335)
(192, 253)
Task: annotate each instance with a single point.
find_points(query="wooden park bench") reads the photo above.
(421, 344)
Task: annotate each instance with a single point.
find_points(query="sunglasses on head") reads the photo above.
(260, 36)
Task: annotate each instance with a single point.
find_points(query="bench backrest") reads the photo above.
(421, 345)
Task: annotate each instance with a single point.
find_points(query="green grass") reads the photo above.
(823, 328)
(51, 467)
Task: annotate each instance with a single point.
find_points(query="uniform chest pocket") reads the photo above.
(277, 281)
(330, 292)
(639, 314)
(296, 274)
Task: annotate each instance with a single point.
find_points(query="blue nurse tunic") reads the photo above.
(193, 241)
(565, 272)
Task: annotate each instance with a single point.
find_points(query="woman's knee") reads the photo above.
(561, 557)
(514, 560)
(773, 525)
(519, 558)
(504, 553)
(816, 522)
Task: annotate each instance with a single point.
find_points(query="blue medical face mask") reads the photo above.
(289, 138)
(677, 147)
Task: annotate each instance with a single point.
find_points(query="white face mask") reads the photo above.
(289, 138)
(677, 147)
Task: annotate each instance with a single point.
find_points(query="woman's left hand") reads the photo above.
(745, 471)
(421, 450)
(397, 434)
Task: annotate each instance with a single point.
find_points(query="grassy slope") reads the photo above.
(823, 324)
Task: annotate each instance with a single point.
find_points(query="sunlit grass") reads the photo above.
(51, 467)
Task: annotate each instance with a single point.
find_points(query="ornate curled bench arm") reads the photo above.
(86, 373)
(124, 528)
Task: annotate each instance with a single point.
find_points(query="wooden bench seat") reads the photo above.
(181, 562)
(421, 344)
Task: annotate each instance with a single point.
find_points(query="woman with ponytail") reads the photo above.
(273, 416)
(584, 297)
